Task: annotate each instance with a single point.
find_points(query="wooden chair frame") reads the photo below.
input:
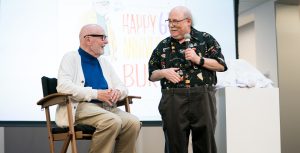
(70, 134)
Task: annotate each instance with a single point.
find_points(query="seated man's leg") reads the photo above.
(126, 140)
(107, 124)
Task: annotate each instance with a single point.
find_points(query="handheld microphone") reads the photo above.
(187, 39)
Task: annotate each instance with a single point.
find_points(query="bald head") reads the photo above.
(186, 13)
(180, 22)
(93, 39)
(90, 29)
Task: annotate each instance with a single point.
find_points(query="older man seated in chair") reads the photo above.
(95, 89)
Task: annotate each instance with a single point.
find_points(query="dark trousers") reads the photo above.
(185, 110)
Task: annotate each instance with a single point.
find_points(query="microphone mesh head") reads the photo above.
(187, 37)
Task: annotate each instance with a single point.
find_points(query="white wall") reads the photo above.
(288, 42)
(286, 23)
(247, 50)
(263, 17)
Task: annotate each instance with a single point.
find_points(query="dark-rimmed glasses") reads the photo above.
(174, 22)
(103, 37)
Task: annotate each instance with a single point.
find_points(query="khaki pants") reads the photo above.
(116, 130)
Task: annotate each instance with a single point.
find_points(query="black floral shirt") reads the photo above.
(170, 53)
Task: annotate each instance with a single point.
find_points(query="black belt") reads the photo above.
(204, 88)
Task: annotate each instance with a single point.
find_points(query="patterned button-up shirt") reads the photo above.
(170, 53)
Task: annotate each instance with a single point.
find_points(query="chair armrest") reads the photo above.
(53, 99)
(129, 98)
(133, 97)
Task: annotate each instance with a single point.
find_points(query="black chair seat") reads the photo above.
(86, 129)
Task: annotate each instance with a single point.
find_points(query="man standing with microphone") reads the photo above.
(185, 64)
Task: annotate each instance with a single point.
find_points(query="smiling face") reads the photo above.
(93, 39)
(179, 23)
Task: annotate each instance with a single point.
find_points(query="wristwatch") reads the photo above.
(201, 61)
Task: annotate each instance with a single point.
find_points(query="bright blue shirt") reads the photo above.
(92, 71)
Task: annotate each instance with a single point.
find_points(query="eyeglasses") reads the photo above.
(174, 22)
(103, 37)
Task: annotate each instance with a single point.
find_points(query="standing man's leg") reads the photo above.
(203, 127)
(173, 108)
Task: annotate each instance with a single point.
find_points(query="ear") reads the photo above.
(88, 40)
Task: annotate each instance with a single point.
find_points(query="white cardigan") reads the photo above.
(71, 80)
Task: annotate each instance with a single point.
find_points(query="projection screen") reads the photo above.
(35, 34)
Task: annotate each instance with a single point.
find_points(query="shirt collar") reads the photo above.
(195, 34)
(85, 55)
